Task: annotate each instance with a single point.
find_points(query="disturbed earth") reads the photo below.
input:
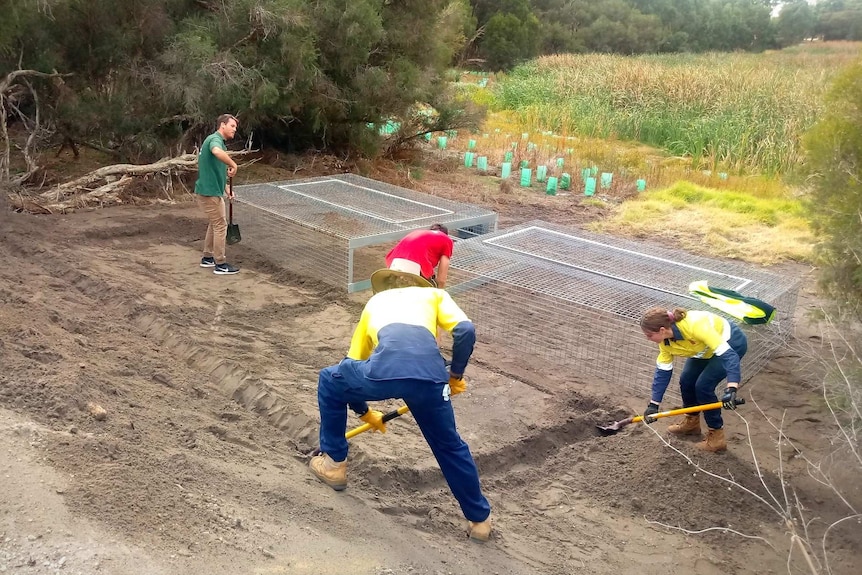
(154, 418)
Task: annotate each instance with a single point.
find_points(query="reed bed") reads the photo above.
(738, 113)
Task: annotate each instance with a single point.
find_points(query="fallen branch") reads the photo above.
(105, 185)
(184, 163)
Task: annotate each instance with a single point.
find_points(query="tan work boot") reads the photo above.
(333, 473)
(480, 531)
(714, 441)
(690, 425)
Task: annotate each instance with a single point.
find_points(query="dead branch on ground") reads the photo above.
(106, 185)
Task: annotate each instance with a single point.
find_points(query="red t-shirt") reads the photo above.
(425, 247)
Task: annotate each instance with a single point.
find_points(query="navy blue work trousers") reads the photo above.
(346, 383)
(701, 376)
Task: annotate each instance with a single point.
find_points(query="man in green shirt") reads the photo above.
(214, 168)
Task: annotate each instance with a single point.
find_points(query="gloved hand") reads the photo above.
(374, 418)
(728, 400)
(457, 384)
(651, 409)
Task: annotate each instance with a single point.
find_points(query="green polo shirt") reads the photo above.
(212, 172)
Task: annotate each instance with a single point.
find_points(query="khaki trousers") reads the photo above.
(214, 244)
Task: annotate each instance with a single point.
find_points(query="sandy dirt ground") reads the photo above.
(208, 386)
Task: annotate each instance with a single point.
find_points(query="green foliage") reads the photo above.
(795, 22)
(738, 112)
(623, 26)
(839, 19)
(511, 35)
(296, 73)
(834, 154)
(721, 222)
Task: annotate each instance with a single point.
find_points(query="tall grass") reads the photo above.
(733, 112)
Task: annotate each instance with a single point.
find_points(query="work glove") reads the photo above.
(457, 384)
(374, 418)
(728, 400)
(651, 409)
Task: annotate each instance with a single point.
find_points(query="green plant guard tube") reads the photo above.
(468, 159)
(551, 188)
(525, 164)
(506, 170)
(508, 157)
(593, 171)
(482, 163)
(590, 186)
(560, 163)
(607, 178)
(541, 173)
(471, 145)
(441, 142)
(585, 173)
(526, 177)
(427, 136)
(641, 184)
(565, 181)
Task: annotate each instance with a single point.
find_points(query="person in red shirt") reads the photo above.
(421, 251)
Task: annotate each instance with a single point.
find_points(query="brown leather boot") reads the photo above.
(480, 531)
(714, 441)
(690, 425)
(333, 473)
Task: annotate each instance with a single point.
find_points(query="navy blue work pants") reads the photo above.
(429, 403)
(701, 376)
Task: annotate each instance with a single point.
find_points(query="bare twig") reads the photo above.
(708, 529)
(857, 517)
(776, 507)
(821, 476)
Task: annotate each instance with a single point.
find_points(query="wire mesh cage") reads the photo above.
(576, 298)
(338, 229)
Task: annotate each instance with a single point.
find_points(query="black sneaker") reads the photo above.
(207, 262)
(225, 269)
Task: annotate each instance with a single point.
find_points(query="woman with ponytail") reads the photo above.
(714, 347)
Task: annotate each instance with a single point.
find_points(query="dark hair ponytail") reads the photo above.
(658, 317)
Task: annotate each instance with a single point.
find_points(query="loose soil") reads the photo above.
(209, 386)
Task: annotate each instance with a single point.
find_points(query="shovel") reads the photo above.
(613, 428)
(366, 426)
(233, 235)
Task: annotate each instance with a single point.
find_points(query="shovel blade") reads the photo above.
(233, 235)
(606, 430)
(613, 428)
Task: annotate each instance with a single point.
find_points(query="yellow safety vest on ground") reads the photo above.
(748, 309)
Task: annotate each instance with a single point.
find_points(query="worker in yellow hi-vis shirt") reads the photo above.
(714, 348)
(394, 354)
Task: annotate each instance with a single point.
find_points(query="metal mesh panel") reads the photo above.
(354, 208)
(345, 212)
(576, 298)
(297, 248)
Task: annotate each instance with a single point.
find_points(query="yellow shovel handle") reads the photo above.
(389, 416)
(681, 411)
